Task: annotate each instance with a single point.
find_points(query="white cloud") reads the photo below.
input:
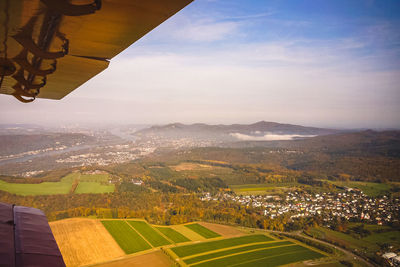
(205, 31)
(269, 137)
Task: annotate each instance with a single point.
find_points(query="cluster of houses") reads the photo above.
(392, 258)
(351, 204)
(105, 158)
(33, 152)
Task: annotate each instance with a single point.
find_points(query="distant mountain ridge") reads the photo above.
(261, 130)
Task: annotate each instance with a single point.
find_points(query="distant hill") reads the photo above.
(363, 143)
(259, 131)
(365, 155)
(13, 144)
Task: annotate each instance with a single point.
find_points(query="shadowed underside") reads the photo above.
(50, 47)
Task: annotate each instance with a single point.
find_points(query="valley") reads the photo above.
(160, 190)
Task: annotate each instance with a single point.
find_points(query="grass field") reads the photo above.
(95, 184)
(262, 189)
(369, 244)
(93, 188)
(180, 228)
(99, 178)
(370, 189)
(127, 238)
(187, 250)
(235, 250)
(173, 235)
(151, 235)
(265, 257)
(46, 188)
(201, 230)
(84, 241)
(187, 166)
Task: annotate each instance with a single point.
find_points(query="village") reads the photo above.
(351, 205)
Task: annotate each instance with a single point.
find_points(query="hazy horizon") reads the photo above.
(322, 64)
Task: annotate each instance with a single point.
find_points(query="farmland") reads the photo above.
(84, 241)
(369, 188)
(127, 238)
(201, 230)
(251, 250)
(93, 188)
(223, 230)
(265, 257)
(187, 250)
(95, 184)
(151, 235)
(154, 258)
(180, 228)
(373, 238)
(46, 188)
(106, 243)
(263, 189)
(235, 251)
(173, 235)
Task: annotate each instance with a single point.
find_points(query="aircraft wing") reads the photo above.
(26, 238)
(51, 47)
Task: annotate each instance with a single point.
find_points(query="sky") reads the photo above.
(316, 63)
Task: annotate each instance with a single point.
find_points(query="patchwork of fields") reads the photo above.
(190, 244)
(95, 184)
(84, 241)
(173, 235)
(201, 230)
(251, 250)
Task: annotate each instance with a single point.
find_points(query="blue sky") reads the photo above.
(316, 62)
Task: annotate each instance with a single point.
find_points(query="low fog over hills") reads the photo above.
(260, 131)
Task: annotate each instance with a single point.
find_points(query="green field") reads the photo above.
(187, 250)
(368, 244)
(235, 250)
(93, 188)
(151, 235)
(46, 188)
(99, 178)
(96, 184)
(370, 189)
(125, 236)
(201, 230)
(262, 189)
(173, 235)
(265, 257)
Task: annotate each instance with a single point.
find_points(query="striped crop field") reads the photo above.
(173, 235)
(264, 257)
(127, 238)
(249, 251)
(151, 235)
(235, 250)
(201, 230)
(183, 251)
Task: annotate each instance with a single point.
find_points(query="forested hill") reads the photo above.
(366, 155)
(230, 132)
(363, 143)
(14, 144)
